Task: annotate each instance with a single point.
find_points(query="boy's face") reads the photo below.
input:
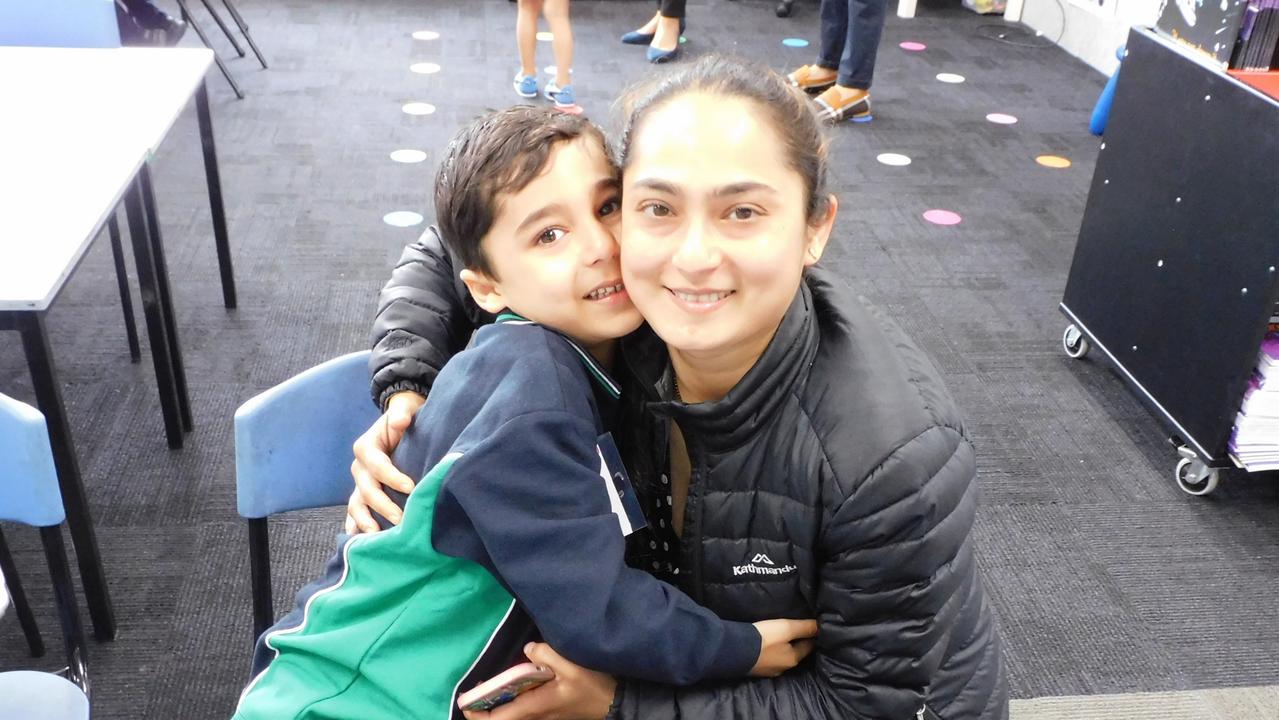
(553, 247)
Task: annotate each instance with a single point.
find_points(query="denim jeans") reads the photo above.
(850, 38)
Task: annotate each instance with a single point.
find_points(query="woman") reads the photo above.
(798, 455)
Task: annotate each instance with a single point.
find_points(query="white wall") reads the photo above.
(1092, 33)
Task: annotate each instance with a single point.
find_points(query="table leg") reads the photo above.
(122, 279)
(215, 196)
(166, 297)
(35, 342)
(154, 312)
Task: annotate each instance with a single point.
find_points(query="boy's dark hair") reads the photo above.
(501, 152)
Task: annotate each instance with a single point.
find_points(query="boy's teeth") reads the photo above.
(701, 298)
(604, 292)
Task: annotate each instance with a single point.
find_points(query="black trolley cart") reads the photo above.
(1174, 276)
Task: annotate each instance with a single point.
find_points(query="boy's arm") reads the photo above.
(529, 503)
(424, 317)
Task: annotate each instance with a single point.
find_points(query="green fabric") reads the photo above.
(394, 638)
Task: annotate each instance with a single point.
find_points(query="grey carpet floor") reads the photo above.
(1106, 578)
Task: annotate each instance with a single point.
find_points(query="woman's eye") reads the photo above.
(548, 236)
(655, 210)
(743, 213)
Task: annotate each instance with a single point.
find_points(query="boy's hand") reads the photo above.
(783, 644)
(575, 694)
(372, 467)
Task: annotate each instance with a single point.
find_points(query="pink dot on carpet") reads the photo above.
(942, 217)
(1001, 119)
(913, 46)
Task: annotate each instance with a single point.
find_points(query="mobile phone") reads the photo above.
(505, 687)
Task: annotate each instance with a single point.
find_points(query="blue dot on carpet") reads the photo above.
(795, 42)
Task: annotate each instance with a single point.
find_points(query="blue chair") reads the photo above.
(1101, 111)
(293, 452)
(29, 494)
(59, 23)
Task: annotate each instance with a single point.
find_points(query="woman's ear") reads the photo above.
(484, 290)
(819, 232)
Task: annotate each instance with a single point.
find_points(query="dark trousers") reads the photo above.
(850, 38)
(671, 8)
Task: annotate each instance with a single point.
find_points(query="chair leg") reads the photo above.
(186, 15)
(64, 595)
(260, 576)
(126, 297)
(244, 28)
(225, 30)
(20, 604)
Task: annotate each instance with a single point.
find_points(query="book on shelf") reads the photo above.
(1254, 441)
(1210, 27)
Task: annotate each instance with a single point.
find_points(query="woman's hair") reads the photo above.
(786, 108)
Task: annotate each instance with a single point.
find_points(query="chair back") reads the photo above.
(29, 491)
(293, 442)
(59, 23)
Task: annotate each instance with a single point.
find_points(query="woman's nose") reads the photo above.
(697, 250)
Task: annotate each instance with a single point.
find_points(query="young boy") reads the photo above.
(518, 521)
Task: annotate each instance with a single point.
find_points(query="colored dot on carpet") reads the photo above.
(913, 46)
(408, 156)
(682, 39)
(550, 70)
(795, 42)
(893, 159)
(424, 68)
(545, 36)
(1053, 161)
(402, 218)
(426, 35)
(418, 108)
(950, 78)
(1001, 119)
(942, 217)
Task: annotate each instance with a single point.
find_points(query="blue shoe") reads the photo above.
(561, 96)
(638, 38)
(656, 56)
(525, 85)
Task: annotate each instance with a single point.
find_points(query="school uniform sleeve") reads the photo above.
(529, 503)
(424, 317)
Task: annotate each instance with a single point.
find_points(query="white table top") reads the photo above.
(76, 125)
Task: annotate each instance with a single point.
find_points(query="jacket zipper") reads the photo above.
(926, 714)
(692, 546)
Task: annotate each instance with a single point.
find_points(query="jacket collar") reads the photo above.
(733, 419)
(593, 368)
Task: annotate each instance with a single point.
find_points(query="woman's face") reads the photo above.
(714, 230)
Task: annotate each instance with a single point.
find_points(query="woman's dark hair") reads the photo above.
(496, 154)
(787, 109)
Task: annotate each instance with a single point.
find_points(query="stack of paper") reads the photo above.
(1255, 440)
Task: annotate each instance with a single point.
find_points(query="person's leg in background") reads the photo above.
(557, 17)
(849, 97)
(661, 32)
(526, 16)
(142, 23)
(833, 36)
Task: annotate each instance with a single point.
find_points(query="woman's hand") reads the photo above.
(372, 467)
(783, 644)
(575, 694)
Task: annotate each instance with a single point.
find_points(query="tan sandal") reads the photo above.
(857, 110)
(804, 79)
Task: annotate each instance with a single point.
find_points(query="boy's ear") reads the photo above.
(484, 290)
(819, 233)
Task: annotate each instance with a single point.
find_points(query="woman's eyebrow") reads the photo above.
(741, 188)
(659, 185)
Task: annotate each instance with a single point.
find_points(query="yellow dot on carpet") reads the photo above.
(545, 36)
(1053, 161)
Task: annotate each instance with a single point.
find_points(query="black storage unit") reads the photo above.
(1174, 275)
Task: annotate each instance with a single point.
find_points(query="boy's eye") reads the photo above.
(549, 235)
(655, 209)
(610, 207)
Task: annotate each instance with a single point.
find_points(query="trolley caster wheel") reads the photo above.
(1195, 478)
(784, 8)
(1074, 342)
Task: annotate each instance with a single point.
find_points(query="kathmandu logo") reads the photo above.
(761, 564)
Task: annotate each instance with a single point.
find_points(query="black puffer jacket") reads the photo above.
(833, 481)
